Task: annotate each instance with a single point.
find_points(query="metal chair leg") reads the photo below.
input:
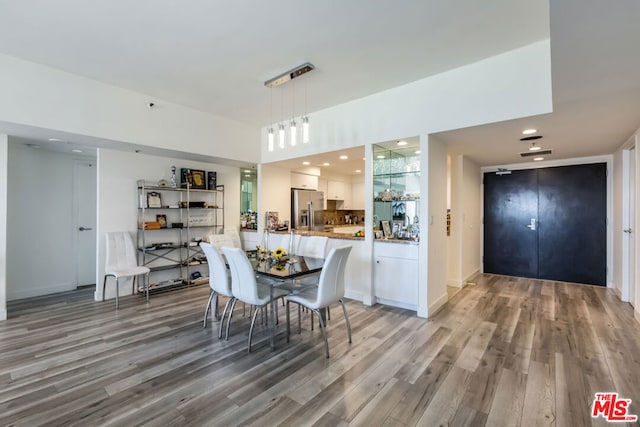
(233, 305)
(206, 310)
(288, 323)
(253, 321)
(346, 317)
(117, 291)
(224, 312)
(104, 286)
(299, 321)
(323, 328)
(147, 285)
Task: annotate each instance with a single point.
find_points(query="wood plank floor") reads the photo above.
(506, 351)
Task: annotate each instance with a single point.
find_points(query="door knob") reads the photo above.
(85, 228)
(532, 225)
(628, 230)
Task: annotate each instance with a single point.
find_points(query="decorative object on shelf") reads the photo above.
(163, 183)
(152, 225)
(154, 200)
(386, 228)
(173, 182)
(177, 225)
(162, 220)
(186, 180)
(212, 180)
(198, 180)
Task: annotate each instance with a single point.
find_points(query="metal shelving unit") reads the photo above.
(185, 215)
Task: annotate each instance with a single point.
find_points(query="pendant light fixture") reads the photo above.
(270, 131)
(293, 130)
(292, 125)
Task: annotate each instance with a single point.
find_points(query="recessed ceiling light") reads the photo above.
(534, 147)
(363, 158)
(76, 150)
(380, 156)
(529, 131)
(417, 151)
(306, 163)
(247, 171)
(55, 140)
(326, 164)
(358, 171)
(248, 176)
(401, 143)
(537, 159)
(343, 157)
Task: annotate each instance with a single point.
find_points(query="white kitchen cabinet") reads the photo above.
(354, 197)
(395, 277)
(322, 186)
(345, 203)
(335, 190)
(304, 181)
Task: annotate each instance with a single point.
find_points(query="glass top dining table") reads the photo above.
(282, 271)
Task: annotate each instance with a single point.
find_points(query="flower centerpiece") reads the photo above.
(263, 254)
(279, 254)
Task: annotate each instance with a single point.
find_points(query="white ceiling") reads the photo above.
(214, 56)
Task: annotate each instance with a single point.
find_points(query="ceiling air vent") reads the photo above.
(531, 138)
(535, 153)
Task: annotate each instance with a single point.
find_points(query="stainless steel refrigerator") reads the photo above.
(307, 210)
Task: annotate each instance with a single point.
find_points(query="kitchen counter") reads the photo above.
(344, 236)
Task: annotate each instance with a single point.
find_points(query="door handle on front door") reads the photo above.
(85, 229)
(532, 226)
(628, 230)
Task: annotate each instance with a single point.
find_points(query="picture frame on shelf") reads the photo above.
(212, 180)
(386, 228)
(198, 181)
(162, 220)
(154, 200)
(186, 179)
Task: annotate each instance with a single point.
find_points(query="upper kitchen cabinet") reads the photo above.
(304, 181)
(335, 190)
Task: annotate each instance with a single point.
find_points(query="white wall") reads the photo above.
(617, 222)
(454, 163)
(470, 220)
(35, 95)
(436, 225)
(274, 193)
(118, 173)
(507, 86)
(39, 203)
(4, 157)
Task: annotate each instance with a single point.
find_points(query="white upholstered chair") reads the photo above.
(219, 284)
(122, 262)
(330, 290)
(246, 287)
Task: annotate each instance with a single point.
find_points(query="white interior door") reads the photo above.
(84, 201)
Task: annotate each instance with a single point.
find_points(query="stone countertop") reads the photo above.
(345, 236)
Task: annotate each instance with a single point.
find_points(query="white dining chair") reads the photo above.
(219, 284)
(330, 290)
(247, 288)
(122, 262)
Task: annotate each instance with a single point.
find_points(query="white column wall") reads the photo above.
(436, 227)
(4, 156)
(470, 220)
(118, 173)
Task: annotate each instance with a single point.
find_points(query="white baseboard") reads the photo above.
(437, 305)
(454, 283)
(396, 304)
(3, 314)
(470, 276)
(357, 296)
(13, 295)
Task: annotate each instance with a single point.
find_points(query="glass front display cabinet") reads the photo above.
(396, 188)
